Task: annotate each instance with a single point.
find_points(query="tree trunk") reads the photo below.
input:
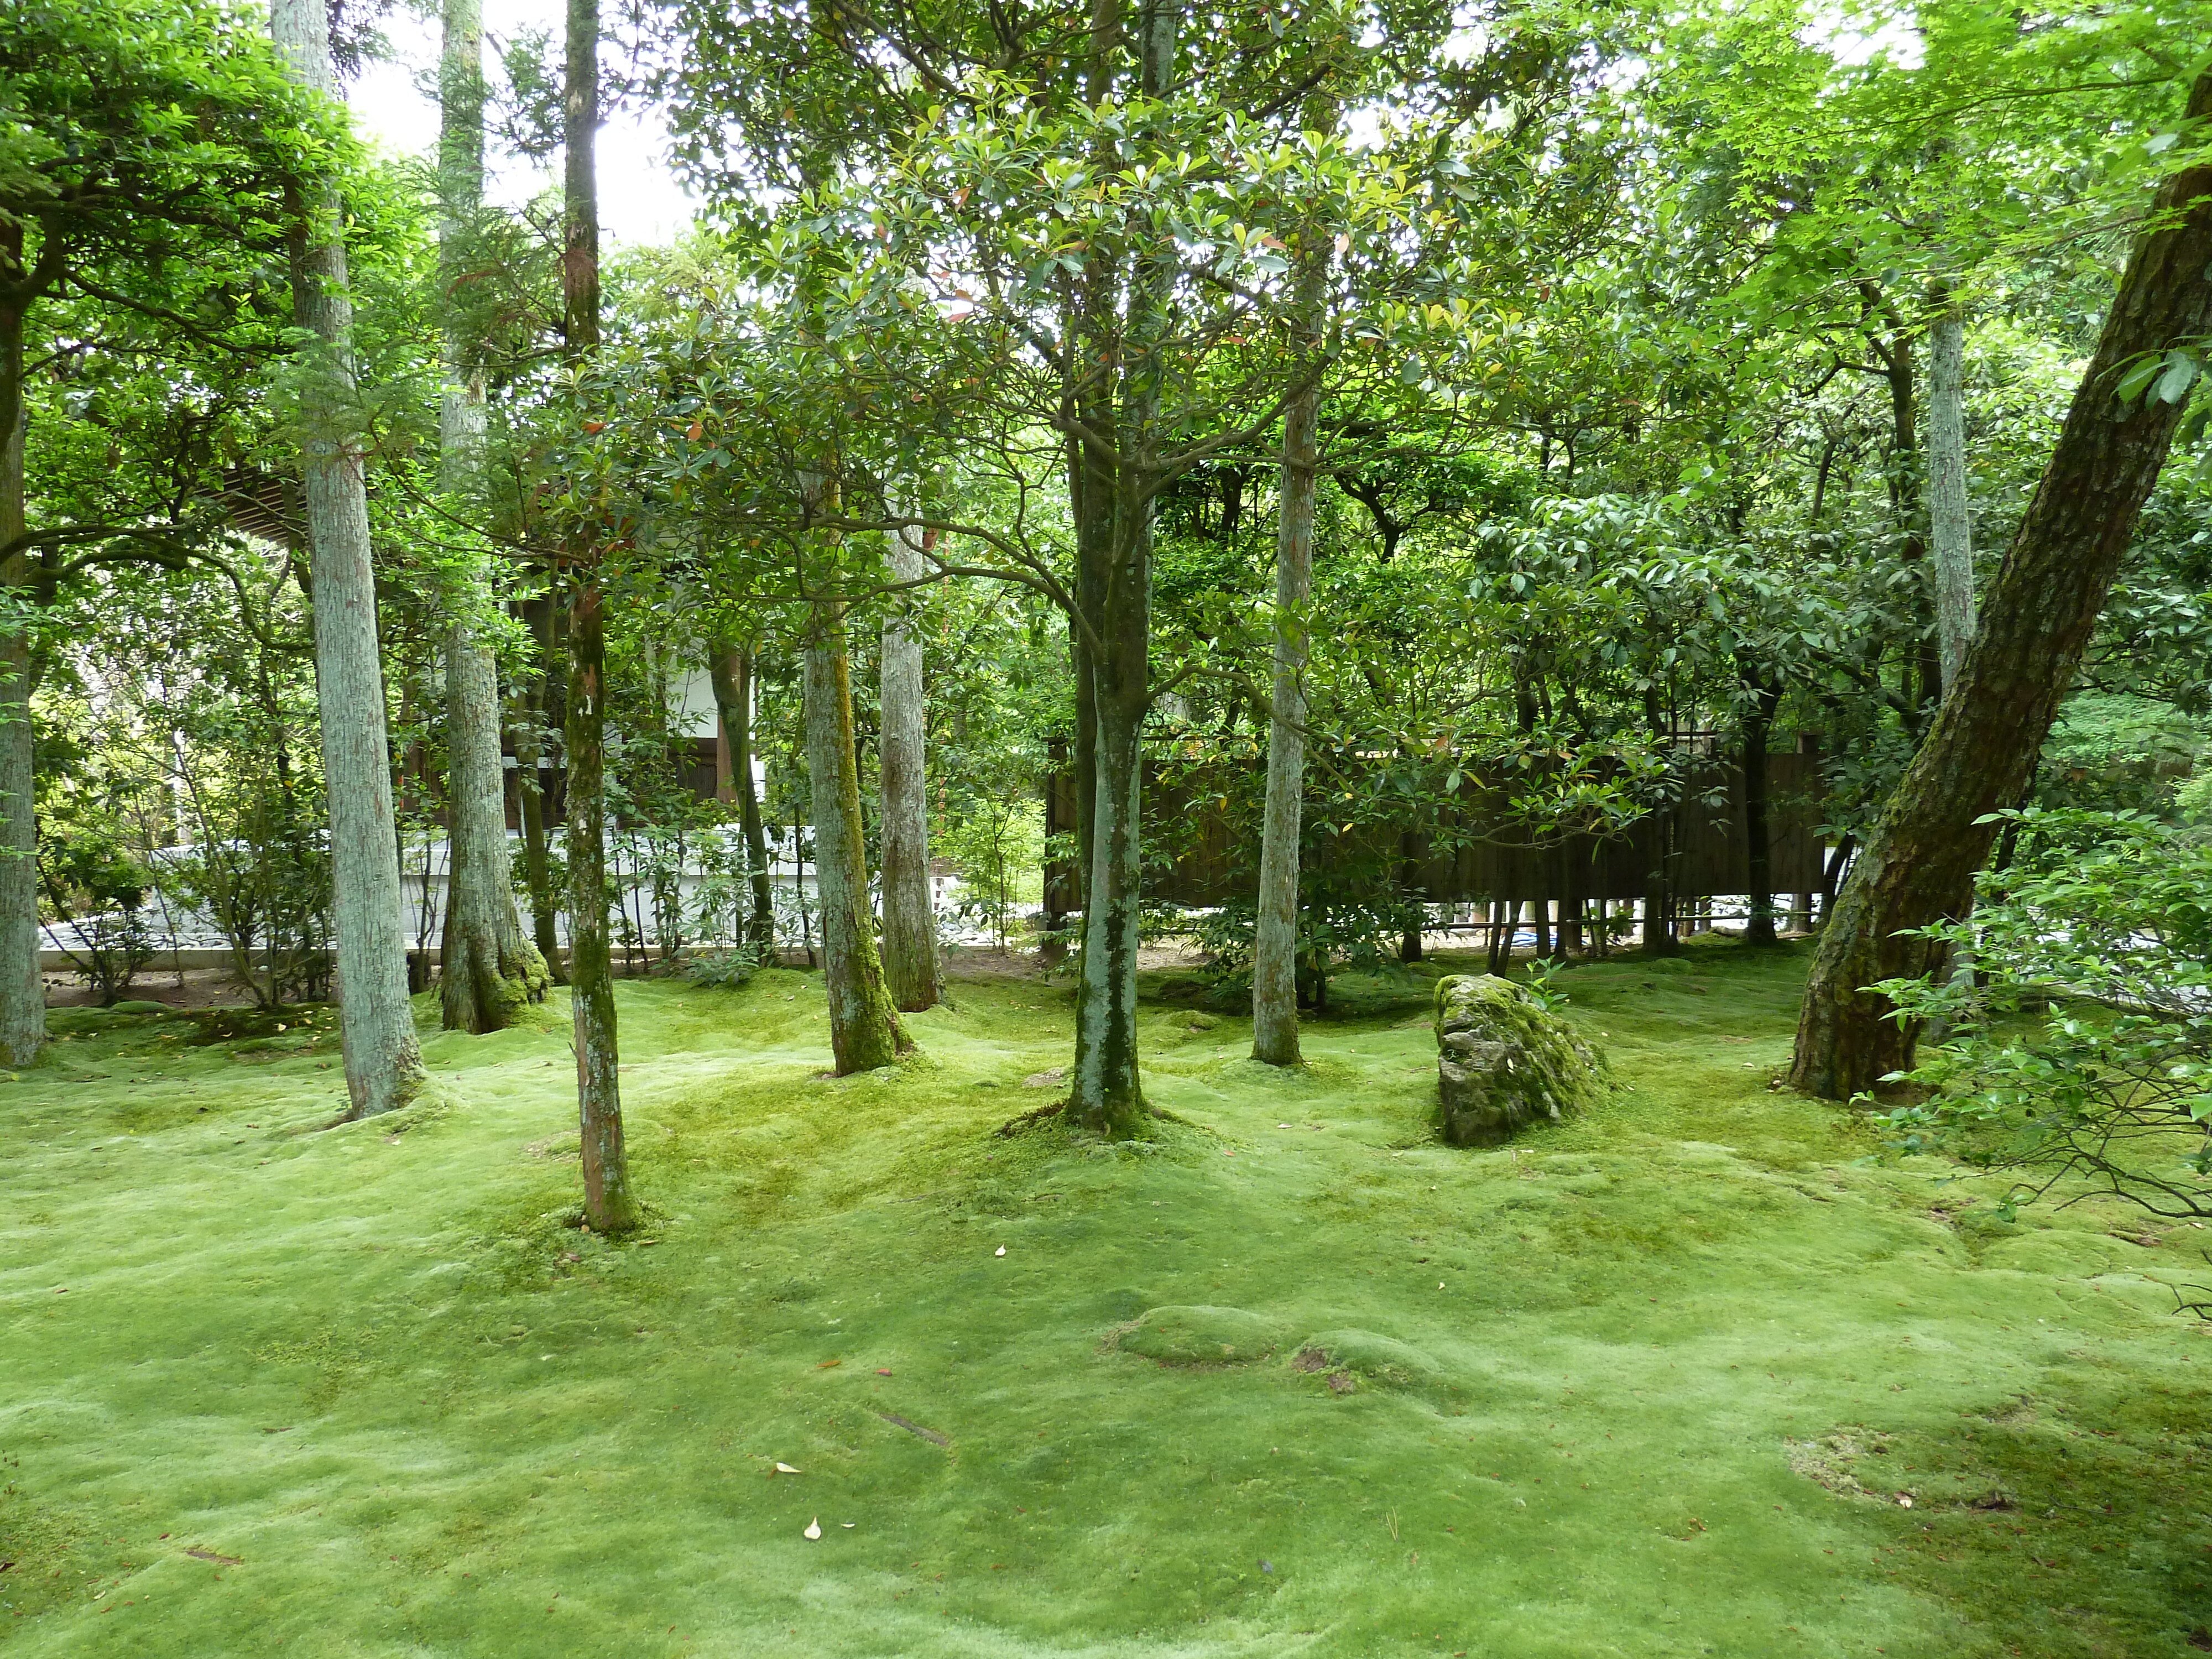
(865, 1032)
(1275, 926)
(731, 669)
(1950, 527)
(608, 1206)
(383, 1062)
(487, 969)
(1919, 863)
(910, 966)
(530, 779)
(1758, 828)
(22, 988)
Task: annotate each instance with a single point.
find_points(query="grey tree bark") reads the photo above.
(1275, 923)
(383, 1062)
(865, 1032)
(911, 965)
(1950, 527)
(487, 969)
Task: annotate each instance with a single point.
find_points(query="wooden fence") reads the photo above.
(1695, 847)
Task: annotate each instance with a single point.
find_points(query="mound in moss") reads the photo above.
(1504, 1062)
(1202, 1336)
(1348, 1356)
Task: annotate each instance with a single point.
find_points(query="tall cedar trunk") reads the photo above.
(383, 1063)
(609, 1205)
(1758, 828)
(730, 668)
(533, 719)
(22, 991)
(909, 918)
(1950, 528)
(865, 1032)
(1275, 924)
(487, 969)
(1918, 865)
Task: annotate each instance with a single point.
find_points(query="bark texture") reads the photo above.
(488, 970)
(383, 1062)
(730, 671)
(22, 990)
(609, 1205)
(865, 1032)
(910, 964)
(1950, 526)
(1919, 862)
(532, 721)
(1275, 922)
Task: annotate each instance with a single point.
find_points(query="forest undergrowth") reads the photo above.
(1703, 1372)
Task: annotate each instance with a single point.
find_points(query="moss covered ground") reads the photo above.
(1652, 1382)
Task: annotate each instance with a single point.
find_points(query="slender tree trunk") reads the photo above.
(1758, 824)
(609, 1205)
(865, 1032)
(487, 969)
(731, 669)
(1919, 863)
(530, 778)
(1275, 925)
(1950, 527)
(910, 964)
(383, 1062)
(22, 988)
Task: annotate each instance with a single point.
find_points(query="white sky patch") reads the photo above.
(1853, 39)
(640, 200)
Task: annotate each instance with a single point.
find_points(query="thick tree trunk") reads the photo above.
(1919, 862)
(865, 1032)
(1950, 526)
(487, 969)
(730, 671)
(609, 1205)
(22, 989)
(1107, 1095)
(910, 964)
(383, 1062)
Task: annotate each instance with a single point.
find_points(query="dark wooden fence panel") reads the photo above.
(1492, 859)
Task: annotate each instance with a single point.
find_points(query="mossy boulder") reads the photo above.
(1504, 1062)
(1202, 1336)
(1348, 1358)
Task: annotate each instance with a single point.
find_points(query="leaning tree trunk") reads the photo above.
(22, 989)
(488, 970)
(1918, 865)
(865, 1032)
(383, 1062)
(609, 1205)
(1950, 525)
(910, 964)
(729, 669)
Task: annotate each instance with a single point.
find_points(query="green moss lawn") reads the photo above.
(1652, 1383)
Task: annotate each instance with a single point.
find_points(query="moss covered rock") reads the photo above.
(1202, 1336)
(1503, 1063)
(1348, 1358)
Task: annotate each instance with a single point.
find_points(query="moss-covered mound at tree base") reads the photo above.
(1503, 1063)
(1202, 1336)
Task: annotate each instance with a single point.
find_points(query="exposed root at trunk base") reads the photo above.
(1038, 1117)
